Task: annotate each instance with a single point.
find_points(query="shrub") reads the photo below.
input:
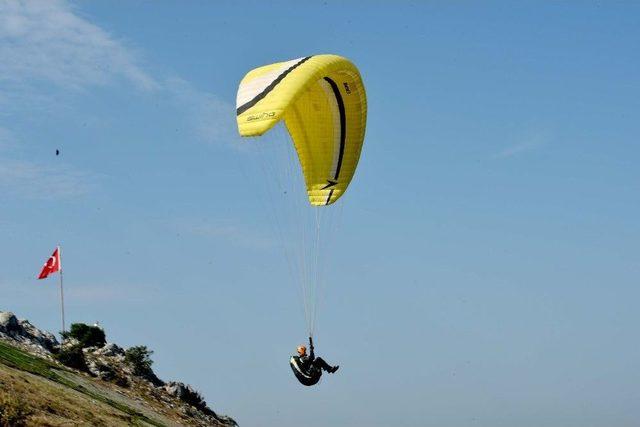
(194, 398)
(105, 372)
(121, 381)
(87, 336)
(72, 357)
(139, 357)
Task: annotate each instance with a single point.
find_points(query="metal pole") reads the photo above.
(62, 302)
(61, 292)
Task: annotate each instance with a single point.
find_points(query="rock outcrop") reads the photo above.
(26, 335)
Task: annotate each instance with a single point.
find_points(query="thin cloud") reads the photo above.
(528, 144)
(34, 181)
(7, 139)
(212, 119)
(81, 293)
(49, 52)
(46, 41)
(109, 292)
(233, 233)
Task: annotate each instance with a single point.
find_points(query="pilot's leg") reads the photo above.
(320, 363)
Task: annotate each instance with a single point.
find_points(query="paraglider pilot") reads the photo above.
(309, 361)
(308, 368)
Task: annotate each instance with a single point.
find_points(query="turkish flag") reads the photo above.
(52, 265)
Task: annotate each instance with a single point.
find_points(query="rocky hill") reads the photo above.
(45, 383)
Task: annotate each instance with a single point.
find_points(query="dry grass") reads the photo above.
(46, 403)
(38, 392)
(34, 391)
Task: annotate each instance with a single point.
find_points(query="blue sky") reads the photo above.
(487, 268)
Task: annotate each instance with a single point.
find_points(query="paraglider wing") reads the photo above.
(323, 104)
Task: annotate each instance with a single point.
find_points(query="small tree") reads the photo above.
(139, 357)
(72, 357)
(87, 336)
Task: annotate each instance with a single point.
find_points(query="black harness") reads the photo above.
(306, 378)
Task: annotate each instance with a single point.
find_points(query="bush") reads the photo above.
(105, 372)
(194, 398)
(121, 381)
(13, 411)
(72, 357)
(87, 336)
(139, 357)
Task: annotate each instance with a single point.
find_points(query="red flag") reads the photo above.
(52, 265)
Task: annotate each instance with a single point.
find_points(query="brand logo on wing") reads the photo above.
(261, 116)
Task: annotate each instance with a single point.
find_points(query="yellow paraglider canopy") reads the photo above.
(323, 103)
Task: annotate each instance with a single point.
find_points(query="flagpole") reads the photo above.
(61, 293)
(62, 301)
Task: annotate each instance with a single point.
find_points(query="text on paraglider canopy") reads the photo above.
(261, 116)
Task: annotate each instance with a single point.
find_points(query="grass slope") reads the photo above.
(46, 394)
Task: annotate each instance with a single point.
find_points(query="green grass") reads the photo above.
(18, 359)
